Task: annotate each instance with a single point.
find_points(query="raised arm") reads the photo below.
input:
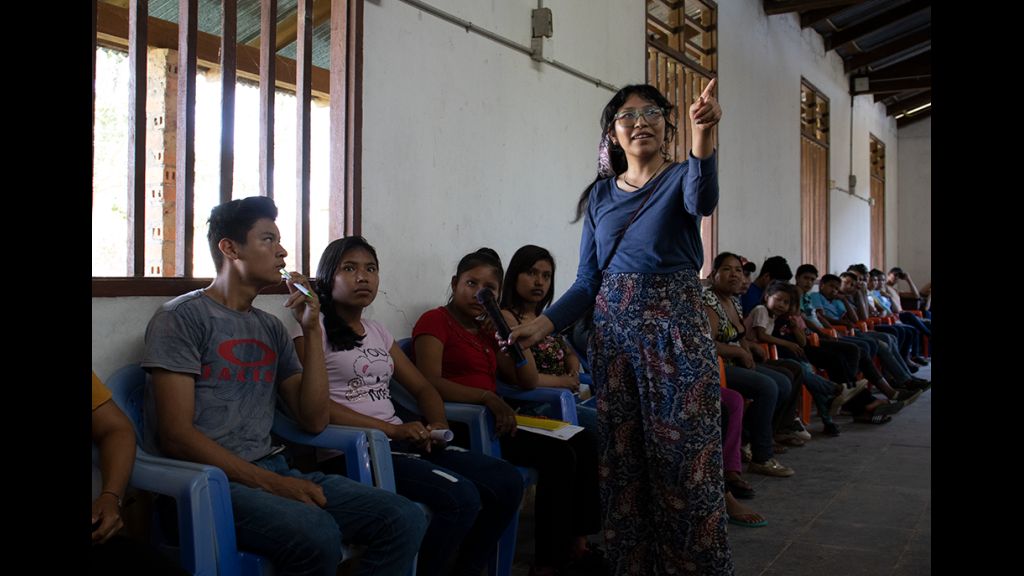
(306, 393)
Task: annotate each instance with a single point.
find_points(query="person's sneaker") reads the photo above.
(831, 429)
(844, 396)
(800, 430)
(907, 396)
(770, 467)
(920, 360)
(921, 383)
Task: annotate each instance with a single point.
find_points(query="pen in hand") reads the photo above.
(288, 276)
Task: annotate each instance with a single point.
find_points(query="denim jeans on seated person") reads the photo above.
(305, 539)
(471, 497)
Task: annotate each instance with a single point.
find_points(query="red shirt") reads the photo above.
(469, 359)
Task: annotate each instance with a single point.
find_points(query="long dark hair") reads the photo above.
(611, 157)
(482, 257)
(521, 262)
(341, 336)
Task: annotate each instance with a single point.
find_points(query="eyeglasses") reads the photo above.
(651, 114)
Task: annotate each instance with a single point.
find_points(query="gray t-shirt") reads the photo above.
(237, 358)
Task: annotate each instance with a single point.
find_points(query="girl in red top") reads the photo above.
(457, 352)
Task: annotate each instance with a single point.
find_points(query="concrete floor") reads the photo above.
(858, 504)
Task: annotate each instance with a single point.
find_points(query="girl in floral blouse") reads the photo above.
(528, 289)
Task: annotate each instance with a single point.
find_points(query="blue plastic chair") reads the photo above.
(206, 521)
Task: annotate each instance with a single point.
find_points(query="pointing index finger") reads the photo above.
(707, 91)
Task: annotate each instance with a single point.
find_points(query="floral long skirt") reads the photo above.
(658, 411)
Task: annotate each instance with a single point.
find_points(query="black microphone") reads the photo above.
(485, 296)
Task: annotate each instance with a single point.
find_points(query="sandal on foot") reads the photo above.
(873, 419)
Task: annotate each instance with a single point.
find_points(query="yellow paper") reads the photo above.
(543, 423)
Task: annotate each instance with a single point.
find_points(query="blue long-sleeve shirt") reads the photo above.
(664, 237)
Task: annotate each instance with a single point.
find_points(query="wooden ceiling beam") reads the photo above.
(288, 28)
(112, 29)
(851, 33)
(890, 86)
(773, 7)
(920, 65)
(812, 17)
(909, 103)
(886, 50)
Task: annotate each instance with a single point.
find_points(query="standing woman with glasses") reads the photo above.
(653, 358)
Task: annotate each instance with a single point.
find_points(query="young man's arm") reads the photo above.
(914, 292)
(850, 315)
(174, 394)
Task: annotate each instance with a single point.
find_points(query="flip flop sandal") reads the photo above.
(739, 521)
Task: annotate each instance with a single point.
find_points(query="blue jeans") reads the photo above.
(915, 322)
(769, 391)
(303, 539)
(822, 391)
(472, 512)
(889, 354)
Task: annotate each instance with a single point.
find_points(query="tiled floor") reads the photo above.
(858, 504)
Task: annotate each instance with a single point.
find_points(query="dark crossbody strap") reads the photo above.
(626, 227)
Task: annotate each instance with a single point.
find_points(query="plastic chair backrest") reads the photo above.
(213, 516)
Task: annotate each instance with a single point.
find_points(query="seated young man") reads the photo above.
(827, 306)
(774, 269)
(217, 365)
(855, 284)
(886, 286)
(847, 346)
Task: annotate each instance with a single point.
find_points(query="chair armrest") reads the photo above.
(206, 524)
(563, 400)
(352, 441)
(475, 416)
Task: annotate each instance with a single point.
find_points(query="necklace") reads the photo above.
(662, 165)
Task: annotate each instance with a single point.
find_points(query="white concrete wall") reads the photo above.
(762, 60)
(468, 143)
(915, 201)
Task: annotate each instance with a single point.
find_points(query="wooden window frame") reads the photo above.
(672, 68)
(132, 27)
